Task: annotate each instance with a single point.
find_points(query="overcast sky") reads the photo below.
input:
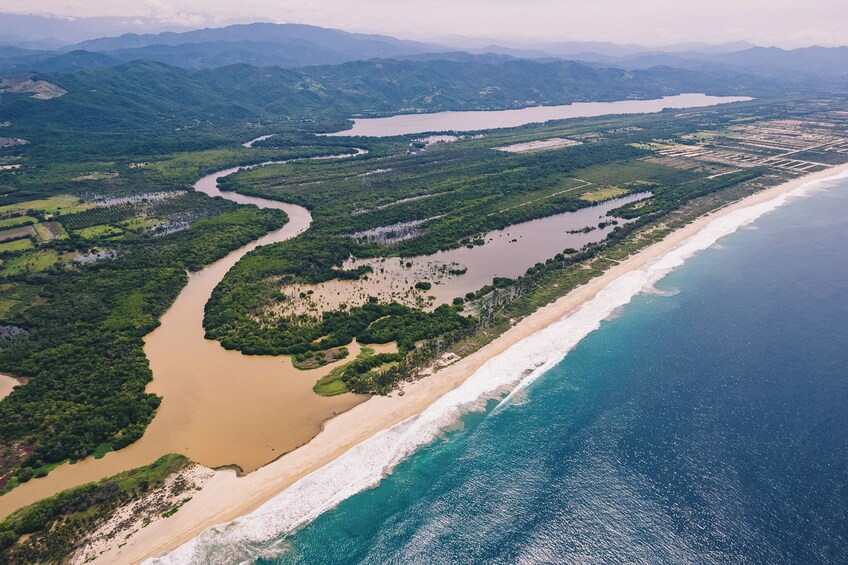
(766, 22)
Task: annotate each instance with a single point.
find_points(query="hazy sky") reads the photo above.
(766, 22)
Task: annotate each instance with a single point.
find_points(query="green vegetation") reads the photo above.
(369, 372)
(146, 108)
(16, 245)
(16, 221)
(174, 509)
(49, 530)
(101, 450)
(97, 232)
(602, 194)
(315, 359)
(452, 193)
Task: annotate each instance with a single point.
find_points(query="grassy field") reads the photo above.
(606, 193)
(64, 203)
(16, 297)
(17, 221)
(17, 245)
(30, 263)
(98, 232)
(139, 224)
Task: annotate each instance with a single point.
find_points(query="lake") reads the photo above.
(404, 124)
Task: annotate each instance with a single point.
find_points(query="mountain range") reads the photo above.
(295, 45)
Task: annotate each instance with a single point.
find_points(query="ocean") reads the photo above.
(702, 421)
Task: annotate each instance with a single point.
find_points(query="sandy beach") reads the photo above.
(226, 496)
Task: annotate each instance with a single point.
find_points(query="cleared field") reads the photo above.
(64, 202)
(606, 193)
(539, 145)
(17, 233)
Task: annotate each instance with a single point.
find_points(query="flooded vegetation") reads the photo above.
(386, 235)
(451, 274)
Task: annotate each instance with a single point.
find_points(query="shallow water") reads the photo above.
(473, 121)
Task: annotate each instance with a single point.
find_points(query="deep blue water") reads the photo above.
(709, 425)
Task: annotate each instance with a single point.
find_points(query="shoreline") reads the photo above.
(226, 497)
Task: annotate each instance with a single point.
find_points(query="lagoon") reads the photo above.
(405, 124)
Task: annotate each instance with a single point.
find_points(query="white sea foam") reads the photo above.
(366, 464)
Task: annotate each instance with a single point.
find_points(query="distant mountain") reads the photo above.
(569, 48)
(807, 60)
(297, 46)
(46, 32)
(827, 65)
(74, 60)
(262, 44)
(589, 50)
(705, 48)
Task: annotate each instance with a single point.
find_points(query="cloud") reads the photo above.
(785, 22)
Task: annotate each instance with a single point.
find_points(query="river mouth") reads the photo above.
(219, 408)
(222, 407)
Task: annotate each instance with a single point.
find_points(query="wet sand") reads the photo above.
(226, 496)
